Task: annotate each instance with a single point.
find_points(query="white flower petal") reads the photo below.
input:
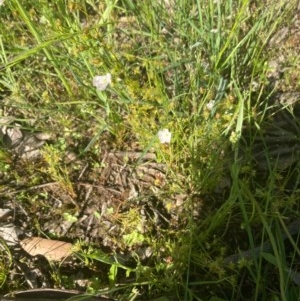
(164, 136)
(102, 81)
(210, 105)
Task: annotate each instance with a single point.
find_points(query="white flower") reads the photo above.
(101, 81)
(164, 136)
(1, 2)
(210, 105)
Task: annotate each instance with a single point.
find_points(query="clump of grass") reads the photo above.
(6, 263)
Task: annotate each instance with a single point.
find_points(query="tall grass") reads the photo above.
(197, 68)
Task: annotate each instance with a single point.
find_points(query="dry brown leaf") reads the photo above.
(9, 233)
(42, 294)
(53, 250)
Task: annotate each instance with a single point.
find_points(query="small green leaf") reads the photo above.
(70, 218)
(112, 274)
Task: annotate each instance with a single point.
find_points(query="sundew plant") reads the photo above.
(160, 138)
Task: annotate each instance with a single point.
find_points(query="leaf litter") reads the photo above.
(53, 250)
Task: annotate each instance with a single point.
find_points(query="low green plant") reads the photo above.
(6, 262)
